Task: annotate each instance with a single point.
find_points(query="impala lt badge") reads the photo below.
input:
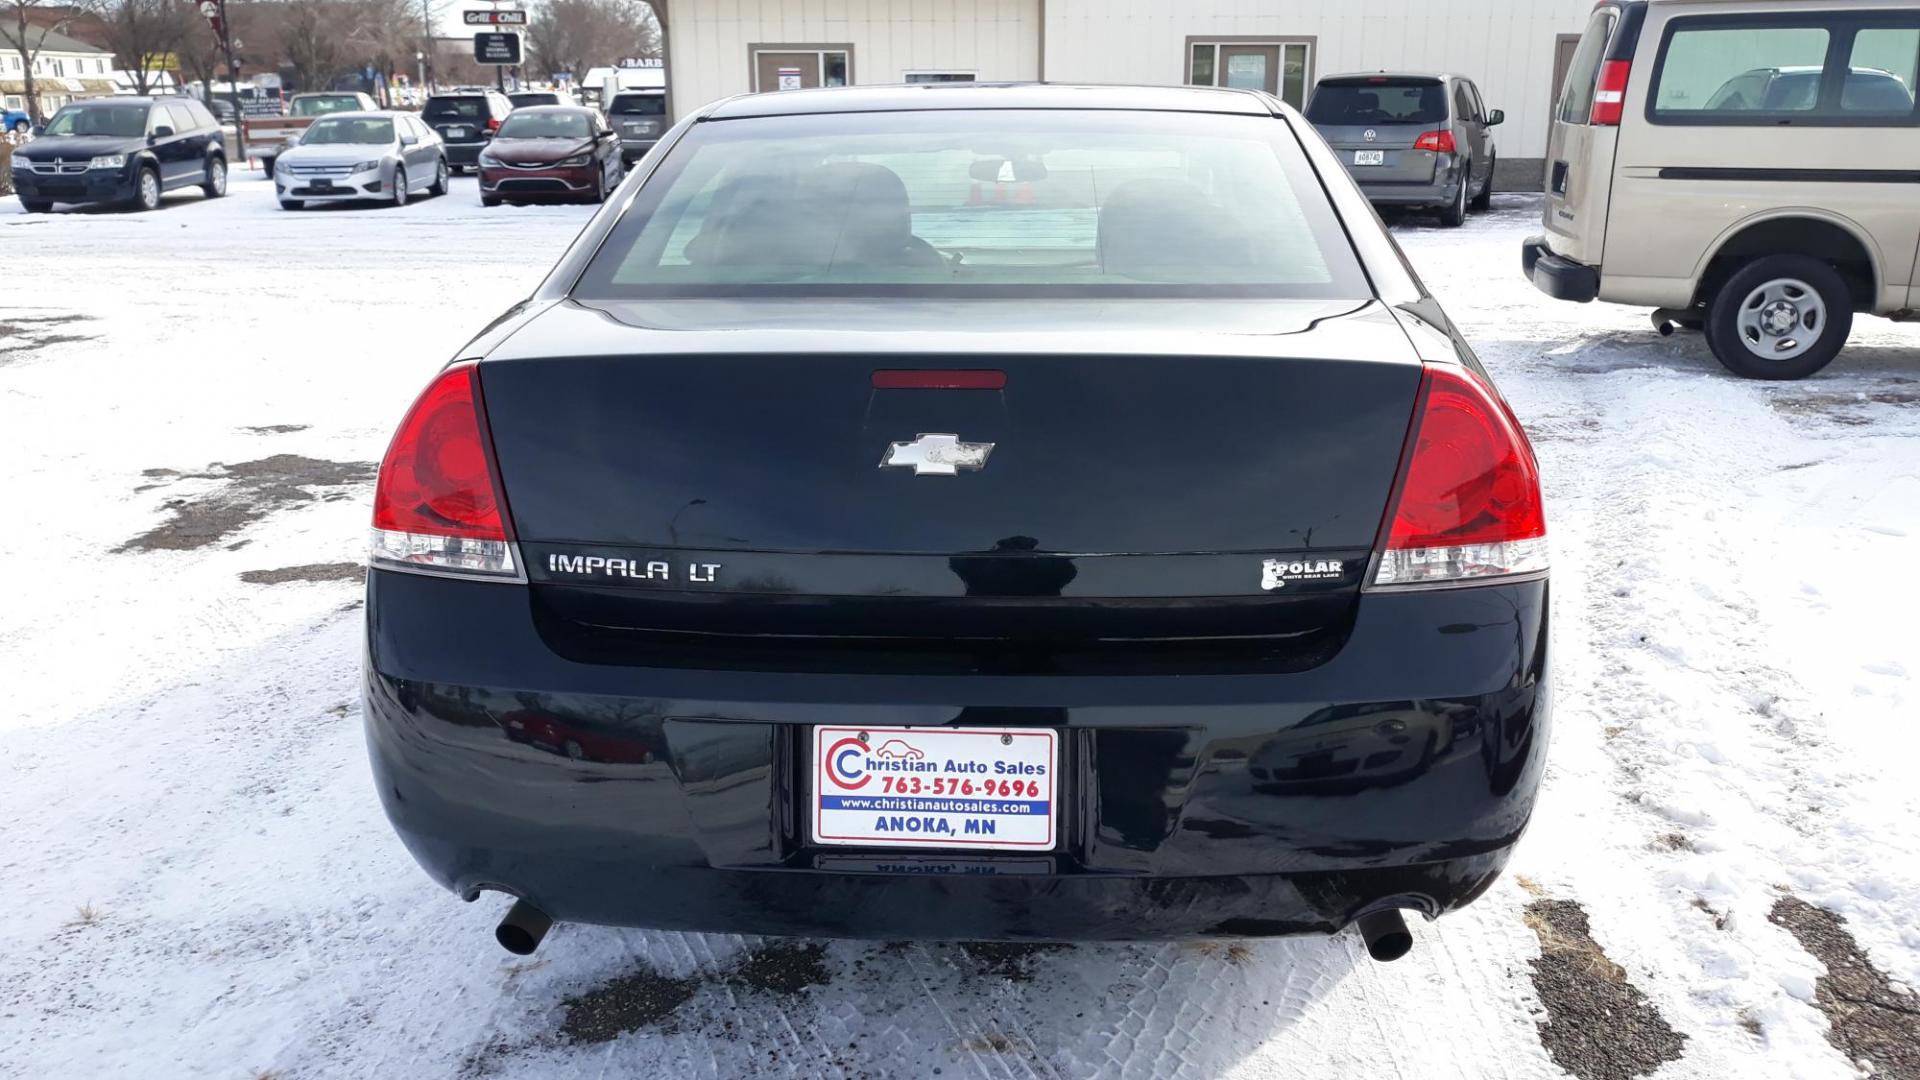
(933, 454)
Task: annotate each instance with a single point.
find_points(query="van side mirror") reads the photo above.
(39, 130)
(1496, 118)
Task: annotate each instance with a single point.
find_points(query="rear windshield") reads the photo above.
(974, 203)
(523, 100)
(639, 105)
(1378, 102)
(320, 106)
(1583, 71)
(342, 131)
(122, 121)
(455, 108)
(562, 125)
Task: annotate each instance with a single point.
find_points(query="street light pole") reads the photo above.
(216, 13)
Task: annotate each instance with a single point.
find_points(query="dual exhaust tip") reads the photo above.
(1385, 932)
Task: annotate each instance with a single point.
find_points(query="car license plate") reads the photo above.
(1369, 157)
(322, 184)
(984, 788)
(456, 133)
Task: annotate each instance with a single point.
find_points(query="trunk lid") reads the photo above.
(1144, 467)
(1383, 114)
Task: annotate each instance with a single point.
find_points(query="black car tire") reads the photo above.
(399, 185)
(291, 204)
(1740, 300)
(1483, 202)
(266, 165)
(35, 206)
(146, 188)
(1454, 214)
(216, 184)
(439, 179)
(21, 127)
(488, 200)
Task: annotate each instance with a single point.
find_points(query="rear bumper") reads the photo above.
(465, 155)
(1197, 805)
(1437, 194)
(632, 150)
(1558, 277)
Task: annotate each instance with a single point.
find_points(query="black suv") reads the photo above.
(126, 150)
(466, 121)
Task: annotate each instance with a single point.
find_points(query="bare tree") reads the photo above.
(574, 35)
(26, 37)
(143, 33)
(313, 43)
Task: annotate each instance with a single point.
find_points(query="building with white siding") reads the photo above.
(1514, 49)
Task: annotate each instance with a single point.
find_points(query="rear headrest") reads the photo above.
(868, 201)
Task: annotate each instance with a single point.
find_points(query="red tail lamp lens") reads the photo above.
(436, 479)
(1471, 478)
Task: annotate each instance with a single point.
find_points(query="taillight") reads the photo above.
(1610, 93)
(493, 123)
(1440, 142)
(1468, 504)
(437, 505)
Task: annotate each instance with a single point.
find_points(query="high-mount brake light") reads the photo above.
(1467, 507)
(437, 506)
(1610, 93)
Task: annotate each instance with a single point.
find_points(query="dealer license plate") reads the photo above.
(1369, 157)
(985, 788)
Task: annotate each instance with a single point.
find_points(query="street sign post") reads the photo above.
(508, 17)
(496, 48)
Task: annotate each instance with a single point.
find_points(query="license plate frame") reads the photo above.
(1369, 157)
(934, 788)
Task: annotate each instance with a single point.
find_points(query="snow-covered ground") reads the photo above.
(200, 882)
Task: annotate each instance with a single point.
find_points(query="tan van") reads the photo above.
(1750, 168)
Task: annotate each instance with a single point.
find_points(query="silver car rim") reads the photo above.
(1782, 319)
(149, 190)
(217, 176)
(399, 187)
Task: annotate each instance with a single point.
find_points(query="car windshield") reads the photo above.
(120, 121)
(349, 130)
(556, 125)
(968, 203)
(324, 104)
(639, 105)
(456, 108)
(1379, 101)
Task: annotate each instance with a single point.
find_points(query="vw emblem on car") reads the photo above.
(1370, 135)
(935, 454)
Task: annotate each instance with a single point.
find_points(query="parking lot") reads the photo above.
(202, 882)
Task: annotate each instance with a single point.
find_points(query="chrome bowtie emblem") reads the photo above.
(936, 455)
(1369, 134)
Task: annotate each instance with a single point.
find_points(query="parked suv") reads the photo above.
(122, 150)
(1411, 139)
(640, 118)
(1746, 169)
(466, 121)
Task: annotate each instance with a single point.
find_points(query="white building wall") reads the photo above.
(1505, 46)
(707, 55)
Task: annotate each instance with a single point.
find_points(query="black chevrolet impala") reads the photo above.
(966, 512)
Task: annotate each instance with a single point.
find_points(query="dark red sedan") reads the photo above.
(550, 152)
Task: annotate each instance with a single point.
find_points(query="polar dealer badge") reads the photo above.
(952, 788)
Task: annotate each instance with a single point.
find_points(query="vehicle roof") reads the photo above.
(917, 97)
(1442, 75)
(364, 114)
(546, 110)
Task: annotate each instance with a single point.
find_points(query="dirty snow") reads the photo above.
(200, 881)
